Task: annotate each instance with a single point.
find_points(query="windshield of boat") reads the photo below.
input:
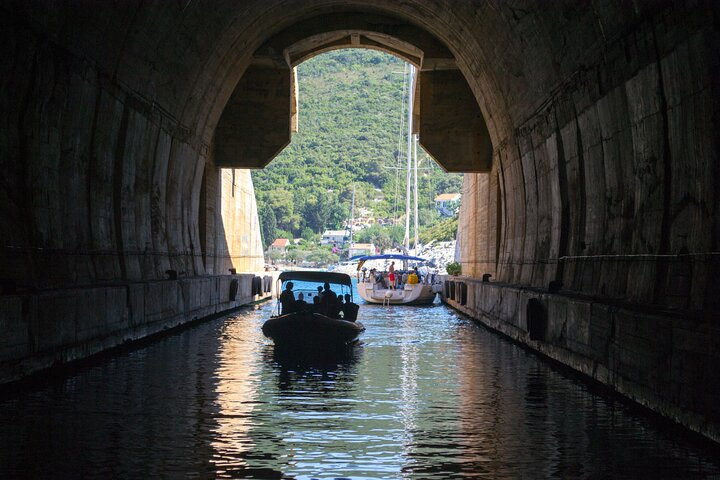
(309, 289)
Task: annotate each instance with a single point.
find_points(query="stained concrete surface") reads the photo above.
(602, 119)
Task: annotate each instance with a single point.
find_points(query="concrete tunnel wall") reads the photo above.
(602, 116)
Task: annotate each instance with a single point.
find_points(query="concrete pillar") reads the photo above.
(256, 123)
(452, 128)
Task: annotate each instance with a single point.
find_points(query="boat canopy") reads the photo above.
(316, 276)
(388, 256)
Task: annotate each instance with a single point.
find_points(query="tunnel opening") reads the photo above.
(602, 169)
(262, 112)
(351, 150)
(260, 115)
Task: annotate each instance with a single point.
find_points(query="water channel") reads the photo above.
(427, 395)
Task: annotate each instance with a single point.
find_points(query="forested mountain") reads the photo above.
(351, 116)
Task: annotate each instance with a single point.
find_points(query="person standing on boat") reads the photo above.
(287, 299)
(379, 281)
(391, 275)
(329, 300)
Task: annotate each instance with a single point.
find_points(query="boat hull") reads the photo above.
(411, 294)
(311, 329)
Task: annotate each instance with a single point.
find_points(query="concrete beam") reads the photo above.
(398, 36)
(294, 100)
(256, 123)
(314, 45)
(452, 128)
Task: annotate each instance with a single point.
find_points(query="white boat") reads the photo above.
(373, 291)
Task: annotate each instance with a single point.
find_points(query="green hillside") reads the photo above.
(349, 133)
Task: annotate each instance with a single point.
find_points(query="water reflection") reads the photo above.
(425, 395)
(236, 397)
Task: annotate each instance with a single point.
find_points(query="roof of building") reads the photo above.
(281, 242)
(447, 197)
(362, 245)
(334, 233)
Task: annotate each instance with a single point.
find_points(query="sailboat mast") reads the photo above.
(406, 240)
(352, 215)
(415, 188)
(399, 148)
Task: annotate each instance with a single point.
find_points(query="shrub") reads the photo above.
(453, 268)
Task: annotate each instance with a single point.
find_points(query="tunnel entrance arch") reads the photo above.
(603, 124)
(262, 112)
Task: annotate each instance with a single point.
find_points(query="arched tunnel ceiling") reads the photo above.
(262, 111)
(409, 41)
(314, 45)
(601, 116)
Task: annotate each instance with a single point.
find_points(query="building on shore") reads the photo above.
(279, 245)
(358, 249)
(333, 237)
(448, 204)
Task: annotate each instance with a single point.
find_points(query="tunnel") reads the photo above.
(587, 132)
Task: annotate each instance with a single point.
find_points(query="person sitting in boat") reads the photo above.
(350, 310)
(287, 299)
(424, 275)
(404, 279)
(316, 307)
(329, 300)
(339, 307)
(379, 280)
(414, 277)
(301, 304)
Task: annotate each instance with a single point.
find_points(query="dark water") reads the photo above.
(428, 395)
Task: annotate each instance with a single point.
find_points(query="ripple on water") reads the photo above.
(426, 394)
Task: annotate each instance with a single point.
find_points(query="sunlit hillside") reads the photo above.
(351, 116)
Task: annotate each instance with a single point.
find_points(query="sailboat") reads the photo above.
(374, 286)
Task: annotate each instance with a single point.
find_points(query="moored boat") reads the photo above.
(318, 323)
(373, 286)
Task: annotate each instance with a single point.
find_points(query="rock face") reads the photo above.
(601, 121)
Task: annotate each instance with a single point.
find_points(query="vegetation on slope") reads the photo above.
(350, 123)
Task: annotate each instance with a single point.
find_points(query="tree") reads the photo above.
(381, 237)
(322, 257)
(295, 254)
(284, 234)
(268, 225)
(282, 204)
(274, 256)
(349, 135)
(324, 211)
(308, 235)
